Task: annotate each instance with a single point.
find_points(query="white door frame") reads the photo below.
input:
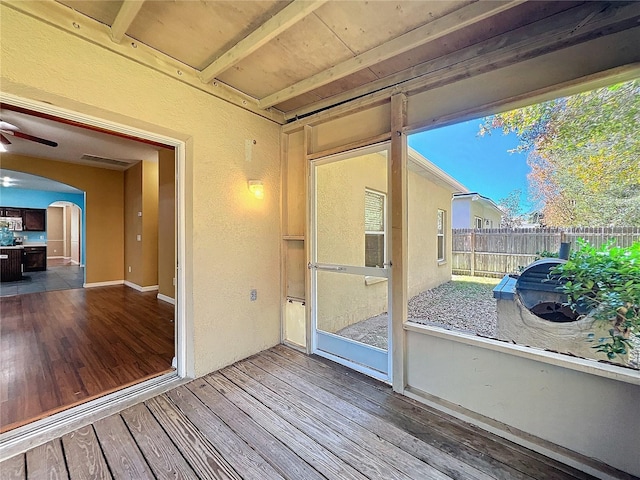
(352, 354)
(40, 431)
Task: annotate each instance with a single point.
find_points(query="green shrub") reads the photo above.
(607, 280)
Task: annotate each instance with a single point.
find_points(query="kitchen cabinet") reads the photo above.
(35, 259)
(10, 264)
(10, 212)
(34, 219)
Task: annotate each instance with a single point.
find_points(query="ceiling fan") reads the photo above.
(9, 129)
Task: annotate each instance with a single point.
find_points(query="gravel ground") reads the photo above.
(465, 303)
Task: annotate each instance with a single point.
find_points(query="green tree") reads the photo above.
(584, 154)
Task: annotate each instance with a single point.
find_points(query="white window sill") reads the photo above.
(368, 280)
(442, 262)
(574, 363)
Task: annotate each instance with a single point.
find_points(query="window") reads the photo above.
(478, 222)
(374, 226)
(441, 240)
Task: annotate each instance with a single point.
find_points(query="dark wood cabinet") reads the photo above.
(10, 264)
(10, 212)
(35, 259)
(34, 219)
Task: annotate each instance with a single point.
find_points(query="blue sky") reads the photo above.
(482, 164)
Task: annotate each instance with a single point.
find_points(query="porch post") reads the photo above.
(399, 257)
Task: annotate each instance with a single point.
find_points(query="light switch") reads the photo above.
(139, 214)
(139, 237)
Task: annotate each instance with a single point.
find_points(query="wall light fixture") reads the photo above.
(256, 187)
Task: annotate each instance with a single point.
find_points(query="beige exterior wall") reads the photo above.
(55, 232)
(425, 199)
(347, 299)
(340, 188)
(104, 204)
(232, 239)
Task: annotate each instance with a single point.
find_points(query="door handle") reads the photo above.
(4, 257)
(333, 269)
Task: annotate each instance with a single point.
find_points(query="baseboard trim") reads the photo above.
(56, 257)
(135, 286)
(549, 449)
(73, 262)
(103, 284)
(167, 299)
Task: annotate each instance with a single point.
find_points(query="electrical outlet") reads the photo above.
(129, 269)
(254, 295)
(55, 251)
(41, 237)
(139, 237)
(139, 214)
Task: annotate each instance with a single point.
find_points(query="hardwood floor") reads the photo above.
(281, 414)
(60, 348)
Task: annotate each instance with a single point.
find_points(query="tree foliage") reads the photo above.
(584, 154)
(511, 210)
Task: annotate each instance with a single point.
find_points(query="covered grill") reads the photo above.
(541, 292)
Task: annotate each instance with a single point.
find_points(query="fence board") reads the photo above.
(499, 251)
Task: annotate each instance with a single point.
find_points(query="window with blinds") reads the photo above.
(441, 238)
(374, 222)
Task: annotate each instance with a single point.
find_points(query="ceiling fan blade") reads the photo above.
(26, 136)
(8, 126)
(4, 140)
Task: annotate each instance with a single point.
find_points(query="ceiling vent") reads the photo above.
(106, 161)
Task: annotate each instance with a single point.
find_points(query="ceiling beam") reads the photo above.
(128, 11)
(543, 36)
(281, 21)
(438, 28)
(75, 23)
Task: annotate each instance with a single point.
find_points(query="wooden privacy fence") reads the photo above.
(498, 251)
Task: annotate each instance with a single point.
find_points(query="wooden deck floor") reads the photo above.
(281, 414)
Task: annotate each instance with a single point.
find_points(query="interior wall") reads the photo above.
(231, 243)
(149, 223)
(133, 257)
(166, 223)
(104, 206)
(67, 232)
(55, 231)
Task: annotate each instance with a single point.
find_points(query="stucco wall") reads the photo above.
(340, 188)
(231, 243)
(484, 212)
(347, 299)
(425, 199)
(589, 414)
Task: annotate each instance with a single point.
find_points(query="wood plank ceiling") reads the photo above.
(295, 58)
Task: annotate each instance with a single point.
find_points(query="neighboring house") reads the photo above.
(472, 210)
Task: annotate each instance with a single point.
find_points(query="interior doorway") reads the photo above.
(73, 367)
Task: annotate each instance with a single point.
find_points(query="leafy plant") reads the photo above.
(606, 280)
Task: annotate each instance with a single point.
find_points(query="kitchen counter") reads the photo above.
(35, 244)
(13, 247)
